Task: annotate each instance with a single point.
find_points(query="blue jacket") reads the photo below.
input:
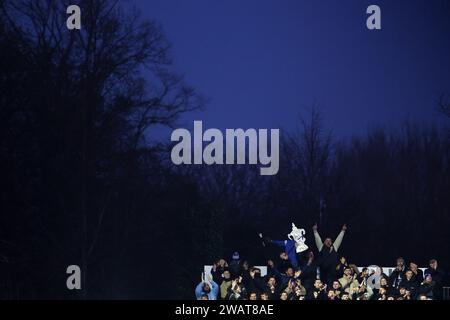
(289, 248)
(212, 295)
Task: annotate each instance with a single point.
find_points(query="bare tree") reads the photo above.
(444, 105)
(101, 88)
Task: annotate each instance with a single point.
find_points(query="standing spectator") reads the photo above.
(317, 292)
(362, 277)
(398, 274)
(272, 287)
(328, 254)
(254, 281)
(289, 247)
(235, 266)
(225, 284)
(437, 275)
(284, 278)
(427, 287)
(283, 262)
(341, 266)
(348, 281)
(309, 271)
(417, 273)
(210, 289)
(217, 270)
(236, 291)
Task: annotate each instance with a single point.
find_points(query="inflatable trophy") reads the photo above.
(297, 235)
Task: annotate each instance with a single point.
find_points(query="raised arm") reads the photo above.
(199, 290)
(317, 238)
(337, 243)
(214, 289)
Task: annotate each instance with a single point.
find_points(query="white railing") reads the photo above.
(386, 270)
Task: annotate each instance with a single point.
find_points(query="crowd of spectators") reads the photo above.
(320, 275)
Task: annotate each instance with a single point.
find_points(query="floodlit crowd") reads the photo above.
(325, 275)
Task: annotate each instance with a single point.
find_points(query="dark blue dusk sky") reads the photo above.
(261, 62)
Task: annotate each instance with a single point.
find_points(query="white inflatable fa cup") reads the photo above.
(297, 235)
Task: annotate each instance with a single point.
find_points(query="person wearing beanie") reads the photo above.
(235, 265)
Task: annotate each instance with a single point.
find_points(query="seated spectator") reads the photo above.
(336, 286)
(382, 294)
(295, 289)
(345, 296)
(332, 295)
(384, 285)
(264, 296)
(284, 296)
(384, 282)
(360, 291)
(404, 294)
(317, 292)
(253, 296)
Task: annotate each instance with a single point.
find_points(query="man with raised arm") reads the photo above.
(207, 289)
(328, 257)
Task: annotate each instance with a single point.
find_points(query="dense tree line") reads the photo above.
(82, 184)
